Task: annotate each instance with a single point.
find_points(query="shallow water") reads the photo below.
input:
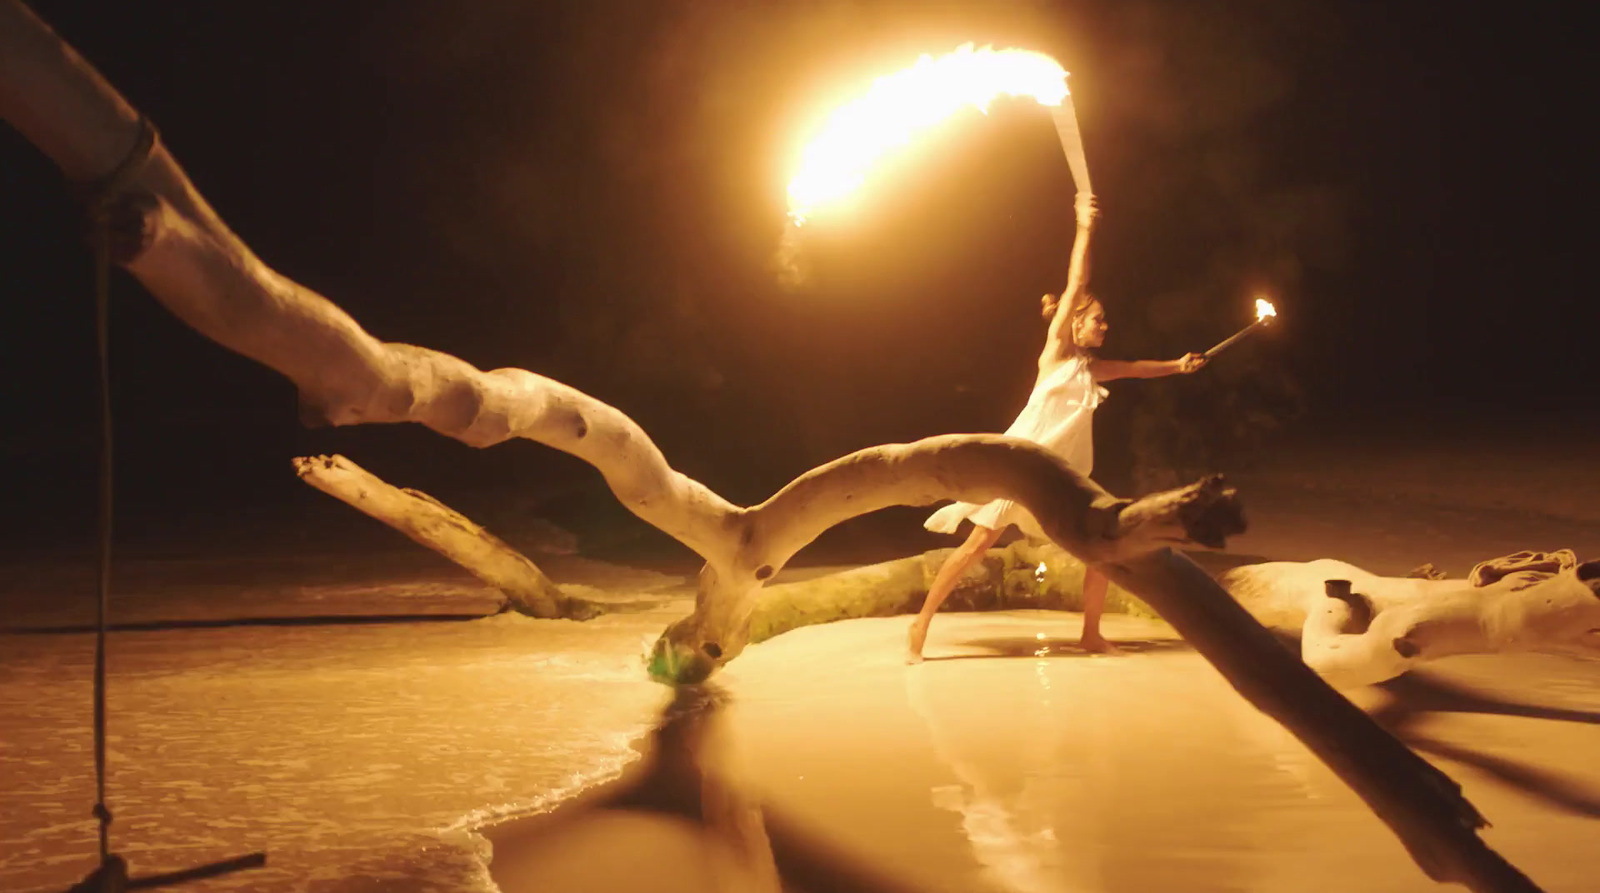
(358, 757)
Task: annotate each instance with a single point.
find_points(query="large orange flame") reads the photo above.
(900, 106)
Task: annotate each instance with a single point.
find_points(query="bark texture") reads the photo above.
(444, 530)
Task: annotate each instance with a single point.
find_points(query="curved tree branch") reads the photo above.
(1072, 509)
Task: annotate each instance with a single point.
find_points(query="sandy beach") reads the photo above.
(370, 748)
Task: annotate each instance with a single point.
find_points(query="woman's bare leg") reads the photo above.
(944, 582)
(1094, 604)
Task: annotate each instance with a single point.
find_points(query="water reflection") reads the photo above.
(1013, 839)
(1112, 774)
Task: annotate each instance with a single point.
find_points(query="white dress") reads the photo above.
(1060, 417)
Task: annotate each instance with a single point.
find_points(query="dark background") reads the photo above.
(595, 191)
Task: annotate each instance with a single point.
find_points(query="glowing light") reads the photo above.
(1039, 572)
(902, 105)
(1039, 636)
(1264, 312)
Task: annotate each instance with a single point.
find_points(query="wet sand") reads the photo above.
(1011, 762)
(1008, 762)
(358, 756)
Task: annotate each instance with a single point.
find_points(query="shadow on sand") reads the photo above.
(1418, 695)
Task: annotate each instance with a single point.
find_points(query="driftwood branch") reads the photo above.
(1357, 628)
(169, 238)
(1025, 575)
(433, 524)
(1073, 510)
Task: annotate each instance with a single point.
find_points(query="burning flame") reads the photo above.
(1264, 309)
(901, 105)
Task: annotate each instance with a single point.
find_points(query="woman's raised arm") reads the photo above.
(1077, 276)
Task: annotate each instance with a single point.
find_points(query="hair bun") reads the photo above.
(1048, 305)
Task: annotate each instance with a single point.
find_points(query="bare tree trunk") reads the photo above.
(168, 237)
(448, 532)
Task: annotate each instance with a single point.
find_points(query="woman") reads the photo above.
(1059, 416)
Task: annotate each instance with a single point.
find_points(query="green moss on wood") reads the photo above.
(1022, 575)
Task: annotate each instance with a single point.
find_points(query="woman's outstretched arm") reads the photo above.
(1106, 370)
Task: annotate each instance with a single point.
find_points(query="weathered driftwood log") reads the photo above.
(1374, 628)
(1365, 630)
(1071, 509)
(176, 245)
(1022, 575)
(448, 532)
(1025, 575)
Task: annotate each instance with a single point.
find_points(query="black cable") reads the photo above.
(102, 301)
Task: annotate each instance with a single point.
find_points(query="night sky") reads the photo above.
(595, 190)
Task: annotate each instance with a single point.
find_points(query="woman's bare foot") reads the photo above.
(1098, 644)
(915, 637)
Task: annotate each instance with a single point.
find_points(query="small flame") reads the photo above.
(1039, 572)
(912, 100)
(1264, 309)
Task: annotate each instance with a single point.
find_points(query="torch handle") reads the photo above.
(1232, 338)
(1066, 121)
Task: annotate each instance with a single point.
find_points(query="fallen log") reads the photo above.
(1025, 575)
